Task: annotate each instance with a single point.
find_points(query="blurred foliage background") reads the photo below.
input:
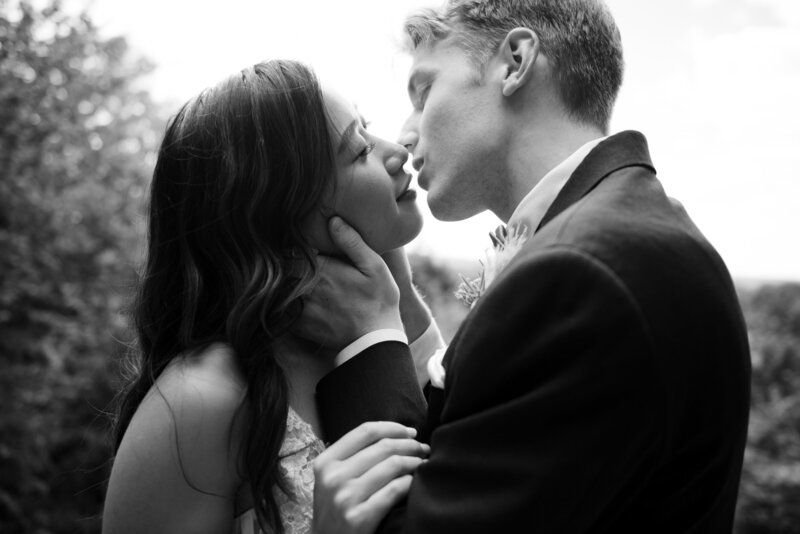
(77, 144)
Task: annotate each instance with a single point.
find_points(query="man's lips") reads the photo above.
(423, 180)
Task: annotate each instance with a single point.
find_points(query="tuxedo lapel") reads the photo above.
(435, 398)
(625, 149)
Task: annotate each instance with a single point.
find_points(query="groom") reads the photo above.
(600, 383)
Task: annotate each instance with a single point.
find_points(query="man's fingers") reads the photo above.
(350, 242)
(312, 324)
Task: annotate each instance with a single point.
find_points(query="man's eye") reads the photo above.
(423, 95)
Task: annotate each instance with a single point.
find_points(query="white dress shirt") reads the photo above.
(532, 209)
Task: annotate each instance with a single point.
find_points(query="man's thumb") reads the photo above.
(349, 241)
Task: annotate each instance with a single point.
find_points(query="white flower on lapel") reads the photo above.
(507, 242)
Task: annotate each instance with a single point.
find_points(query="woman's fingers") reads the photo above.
(383, 474)
(369, 513)
(361, 476)
(364, 435)
(388, 448)
(357, 505)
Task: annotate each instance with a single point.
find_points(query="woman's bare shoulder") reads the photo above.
(189, 416)
(209, 372)
(203, 392)
(178, 460)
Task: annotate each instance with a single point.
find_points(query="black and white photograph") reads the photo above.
(409, 266)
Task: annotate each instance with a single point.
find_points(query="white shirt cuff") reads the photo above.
(436, 369)
(423, 348)
(366, 341)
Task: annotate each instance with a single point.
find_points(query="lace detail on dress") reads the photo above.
(300, 447)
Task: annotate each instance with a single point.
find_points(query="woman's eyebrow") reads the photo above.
(346, 135)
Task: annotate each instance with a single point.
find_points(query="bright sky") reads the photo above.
(713, 84)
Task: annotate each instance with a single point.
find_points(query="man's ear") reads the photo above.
(519, 52)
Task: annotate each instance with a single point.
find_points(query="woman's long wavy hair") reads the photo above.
(240, 168)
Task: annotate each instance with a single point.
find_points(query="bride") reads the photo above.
(217, 428)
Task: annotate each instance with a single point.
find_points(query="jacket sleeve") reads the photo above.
(378, 384)
(551, 415)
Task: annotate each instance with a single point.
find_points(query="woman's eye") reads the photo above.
(365, 152)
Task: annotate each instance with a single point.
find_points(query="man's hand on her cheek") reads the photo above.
(353, 296)
(414, 312)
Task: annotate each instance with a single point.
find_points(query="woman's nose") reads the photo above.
(397, 158)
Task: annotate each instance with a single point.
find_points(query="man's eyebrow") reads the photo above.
(346, 134)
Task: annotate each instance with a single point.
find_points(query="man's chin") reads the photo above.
(445, 210)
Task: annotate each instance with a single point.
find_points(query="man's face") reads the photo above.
(455, 132)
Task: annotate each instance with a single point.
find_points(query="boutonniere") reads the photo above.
(506, 243)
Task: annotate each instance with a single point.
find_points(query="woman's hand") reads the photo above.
(362, 476)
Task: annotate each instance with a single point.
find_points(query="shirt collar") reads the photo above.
(532, 208)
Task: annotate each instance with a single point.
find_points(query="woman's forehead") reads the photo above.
(340, 109)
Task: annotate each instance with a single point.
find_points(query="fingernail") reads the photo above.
(411, 431)
(336, 223)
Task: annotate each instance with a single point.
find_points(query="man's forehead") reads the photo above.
(432, 50)
(427, 59)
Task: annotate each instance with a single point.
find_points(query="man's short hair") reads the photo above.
(579, 38)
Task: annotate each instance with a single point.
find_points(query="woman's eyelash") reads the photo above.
(366, 151)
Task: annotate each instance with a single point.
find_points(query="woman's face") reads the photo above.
(372, 190)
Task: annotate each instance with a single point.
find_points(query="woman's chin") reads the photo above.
(398, 240)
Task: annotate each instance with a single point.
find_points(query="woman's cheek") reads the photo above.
(372, 225)
(369, 207)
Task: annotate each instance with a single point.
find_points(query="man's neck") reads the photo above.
(536, 151)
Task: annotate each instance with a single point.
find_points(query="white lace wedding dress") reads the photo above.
(300, 447)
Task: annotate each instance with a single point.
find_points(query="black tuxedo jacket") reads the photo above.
(601, 384)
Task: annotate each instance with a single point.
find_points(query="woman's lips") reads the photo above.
(405, 188)
(409, 194)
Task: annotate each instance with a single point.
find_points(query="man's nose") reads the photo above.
(408, 134)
